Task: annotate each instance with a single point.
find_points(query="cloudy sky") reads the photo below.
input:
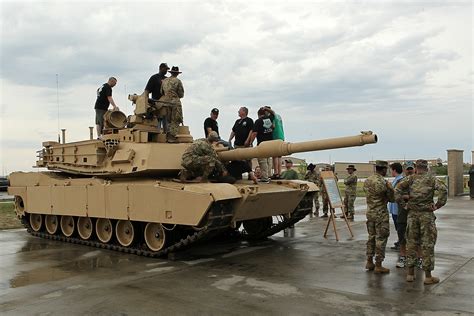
(330, 68)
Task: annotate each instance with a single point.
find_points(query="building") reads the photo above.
(364, 169)
(431, 161)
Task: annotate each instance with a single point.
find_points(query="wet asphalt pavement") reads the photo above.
(305, 274)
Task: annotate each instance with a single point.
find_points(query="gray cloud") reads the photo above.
(330, 69)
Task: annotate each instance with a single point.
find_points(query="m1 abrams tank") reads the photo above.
(121, 192)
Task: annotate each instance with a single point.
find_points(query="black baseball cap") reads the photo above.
(164, 65)
(215, 110)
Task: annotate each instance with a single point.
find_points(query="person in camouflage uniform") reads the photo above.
(350, 192)
(172, 91)
(378, 193)
(325, 196)
(200, 160)
(314, 176)
(416, 194)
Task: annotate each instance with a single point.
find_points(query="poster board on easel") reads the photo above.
(329, 181)
(332, 190)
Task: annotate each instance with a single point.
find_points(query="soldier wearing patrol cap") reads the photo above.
(409, 168)
(325, 196)
(416, 194)
(350, 192)
(313, 176)
(378, 193)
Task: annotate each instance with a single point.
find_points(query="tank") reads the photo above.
(121, 192)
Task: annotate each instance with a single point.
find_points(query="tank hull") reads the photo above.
(160, 200)
(141, 202)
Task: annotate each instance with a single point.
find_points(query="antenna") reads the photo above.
(57, 101)
(126, 96)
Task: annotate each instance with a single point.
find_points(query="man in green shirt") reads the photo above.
(289, 173)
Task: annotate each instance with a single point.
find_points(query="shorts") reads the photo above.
(99, 117)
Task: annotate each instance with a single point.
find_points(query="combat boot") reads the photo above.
(411, 274)
(379, 268)
(429, 279)
(370, 264)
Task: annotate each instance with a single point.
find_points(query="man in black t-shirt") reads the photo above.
(154, 83)
(210, 124)
(154, 87)
(104, 99)
(242, 129)
(263, 131)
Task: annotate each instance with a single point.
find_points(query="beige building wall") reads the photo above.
(364, 169)
(455, 172)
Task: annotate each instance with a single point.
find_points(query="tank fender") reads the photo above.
(299, 184)
(219, 191)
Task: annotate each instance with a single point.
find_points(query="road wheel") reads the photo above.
(51, 222)
(125, 232)
(85, 227)
(104, 229)
(67, 225)
(36, 221)
(155, 237)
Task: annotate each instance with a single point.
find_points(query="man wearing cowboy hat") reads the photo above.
(172, 90)
(350, 193)
(313, 176)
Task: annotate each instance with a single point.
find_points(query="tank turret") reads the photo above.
(132, 151)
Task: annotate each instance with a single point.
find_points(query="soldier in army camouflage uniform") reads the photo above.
(378, 193)
(416, 193)
(350, 193)
(325, 196)
(200, 160)
(313, 176)
(172, 90)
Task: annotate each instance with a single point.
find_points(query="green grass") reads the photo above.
(8, 217)
(360, 189)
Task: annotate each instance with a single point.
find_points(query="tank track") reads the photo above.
(304, 208)
(219, 217)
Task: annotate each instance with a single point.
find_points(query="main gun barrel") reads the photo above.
(278, 148)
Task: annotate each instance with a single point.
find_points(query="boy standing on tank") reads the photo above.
(104, 99)
(277, 134)
(263, 131)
